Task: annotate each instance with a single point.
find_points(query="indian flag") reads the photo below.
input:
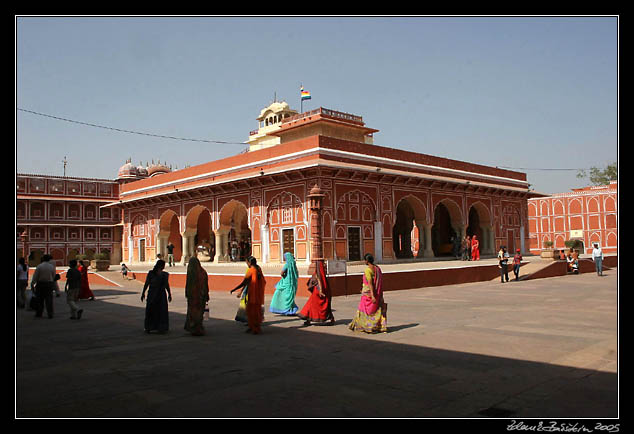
(305, 93)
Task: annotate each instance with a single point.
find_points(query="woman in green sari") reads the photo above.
(283, 300)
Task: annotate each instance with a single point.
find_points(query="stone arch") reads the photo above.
(479, 223)
(169, 232)
(286, 199)
(447, 225)
(233, 236)
(408, 230)
(361, 199)
(201, 237)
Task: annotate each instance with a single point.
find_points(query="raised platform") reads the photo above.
(396, 276)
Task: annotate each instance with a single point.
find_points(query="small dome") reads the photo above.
(157, 169)
(276, 108)
(142, 171)
(128, 170)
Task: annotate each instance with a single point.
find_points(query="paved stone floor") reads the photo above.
(545, 348)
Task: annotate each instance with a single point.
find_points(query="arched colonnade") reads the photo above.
(419, 233)
(194, 234)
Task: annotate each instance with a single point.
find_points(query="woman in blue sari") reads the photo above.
(283, 300)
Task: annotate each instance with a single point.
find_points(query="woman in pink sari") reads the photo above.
(371, 316)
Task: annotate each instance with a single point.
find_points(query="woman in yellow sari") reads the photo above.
(371, 316)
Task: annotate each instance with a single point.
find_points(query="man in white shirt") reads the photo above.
(43, 285)
(597, 257)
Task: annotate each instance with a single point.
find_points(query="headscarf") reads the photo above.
(292, 275)
(320, 271)
(196, 283)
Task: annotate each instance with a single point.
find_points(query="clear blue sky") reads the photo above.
(519, 92)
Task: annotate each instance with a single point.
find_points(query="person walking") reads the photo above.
(517, 263)
(475, 248)
(597, 257)
(72, 288)
(255, 283)
(124, 271)
(455, 241)
(85, 292)
(503, 258)
(371, 316)
(318, 307)
(283, 300)
(156, 310)
(42, 286)
(241, 314)
(197, 294)
(22, 282)
(170, 254)
(466, 248)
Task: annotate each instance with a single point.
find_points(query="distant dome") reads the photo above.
(157, 169)
(128, 170)
(276, 108)
(142, 171)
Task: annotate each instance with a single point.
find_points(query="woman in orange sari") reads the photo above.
(318, 307)
(197, 294)
(255, 282)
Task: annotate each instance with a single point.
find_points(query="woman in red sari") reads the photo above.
(84, 291)
(475, 249)
(318, 309)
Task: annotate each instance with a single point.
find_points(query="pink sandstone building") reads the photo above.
(392, 203)
(586, 214)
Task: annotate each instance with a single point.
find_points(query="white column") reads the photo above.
(492, 238)
(378, 241)
(188, 245)
(264, 230)
(218, 246)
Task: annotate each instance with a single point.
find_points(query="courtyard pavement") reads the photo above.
(545, 348)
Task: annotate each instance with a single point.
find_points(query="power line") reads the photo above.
(234, 143)
(130, 131)
(537, 168)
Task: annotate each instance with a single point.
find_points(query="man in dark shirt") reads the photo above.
(170, 254)
(73, 286)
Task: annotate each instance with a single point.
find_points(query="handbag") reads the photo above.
(34, 301)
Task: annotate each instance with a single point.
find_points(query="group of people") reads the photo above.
(371, 316)
(503, 260)
(44, 283)
(470, 248)
(572, 259)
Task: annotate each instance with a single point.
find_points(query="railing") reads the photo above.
(325, 112)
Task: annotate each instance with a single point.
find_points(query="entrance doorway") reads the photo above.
(354, 243)
(142, 250)
(288, 242)
(442, 232)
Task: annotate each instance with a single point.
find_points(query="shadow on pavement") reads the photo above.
(106, 367)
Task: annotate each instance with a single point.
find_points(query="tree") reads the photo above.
(600, 176)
